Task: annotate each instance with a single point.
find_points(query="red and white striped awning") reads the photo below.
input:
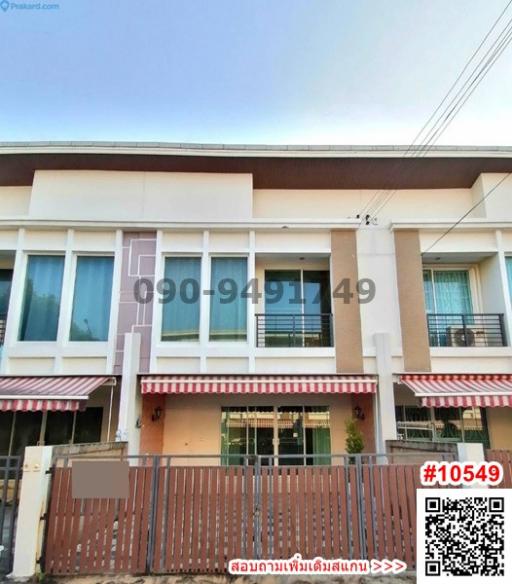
(52, 394)
(464, 390)
(259, 384)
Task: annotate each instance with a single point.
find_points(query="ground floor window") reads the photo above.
(442, 424)
(21, 429)
(280, 434)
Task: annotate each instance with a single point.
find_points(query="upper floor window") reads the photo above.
(297, 309)
(447, 291)
(90, 319)
(228, 312)
(508, 261)
(41, 299)
(180, 320)
(5, 291)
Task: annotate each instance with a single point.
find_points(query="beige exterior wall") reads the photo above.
(499, 423)
(101, 398)
(347, 316)
(193, 423)
(140, 196)
(415, 344)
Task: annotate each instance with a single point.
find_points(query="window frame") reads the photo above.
(473, 279)
(62, 309)
(159, 325)
(69, 309)
(275, 441)
(218, 343)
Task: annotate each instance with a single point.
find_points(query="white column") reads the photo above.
(251, 306)
(385, 399)
(204, 303)
(130, 401)
(32, 506)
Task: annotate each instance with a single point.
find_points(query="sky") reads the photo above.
(247, 71)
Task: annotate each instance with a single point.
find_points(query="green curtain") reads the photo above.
(41, 301)
(180, 319)
(92, 298)
(452, 292)
(228, 316)
(509, 275)
(428, 288)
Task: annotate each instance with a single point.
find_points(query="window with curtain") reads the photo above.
(41, 298)
(447, 291)
(90, 319)
(180, 318)
(5, 291)
(509, 274)
(228, 313)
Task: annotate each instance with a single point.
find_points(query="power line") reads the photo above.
(497, 51)
(425, 125)
(459, 221)
(450, 111)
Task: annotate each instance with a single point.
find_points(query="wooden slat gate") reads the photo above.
(504, 457)
(194, 519)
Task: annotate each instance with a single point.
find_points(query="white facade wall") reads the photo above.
(80, 212)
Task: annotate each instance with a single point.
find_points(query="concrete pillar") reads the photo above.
(130, 400)
(32, 506)
(385, 398)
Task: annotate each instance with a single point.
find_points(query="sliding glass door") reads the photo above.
(297, 308)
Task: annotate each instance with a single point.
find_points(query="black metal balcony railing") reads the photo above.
(3, 320)
(466, 330)
(294, 330)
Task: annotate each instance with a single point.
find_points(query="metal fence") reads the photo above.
(294, 330)
(192, 514)
(466, 330)
(10, 475)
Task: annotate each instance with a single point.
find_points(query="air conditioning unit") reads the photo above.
(469, 336)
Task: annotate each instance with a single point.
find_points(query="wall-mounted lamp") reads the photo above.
(157, 412)
(358, 413)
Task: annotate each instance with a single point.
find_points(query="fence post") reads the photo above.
(257, 507)
(152, 515)
(360, 494)
(31, 509)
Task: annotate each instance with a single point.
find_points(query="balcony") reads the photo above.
(294, 330)
(441, 432)
(466, 330)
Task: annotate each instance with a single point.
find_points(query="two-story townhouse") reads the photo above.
(227, 301)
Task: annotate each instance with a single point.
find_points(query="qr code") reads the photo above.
(464, 533)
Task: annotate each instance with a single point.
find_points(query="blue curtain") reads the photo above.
(452, 292)
(228, 319)
(180, 321)
(92, 298)
(41, 302)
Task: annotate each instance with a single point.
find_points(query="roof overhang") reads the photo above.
(279, 167)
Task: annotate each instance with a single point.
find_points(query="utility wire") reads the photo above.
(496, 51)
(455, 108)
(377, 197)
(459, 221)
